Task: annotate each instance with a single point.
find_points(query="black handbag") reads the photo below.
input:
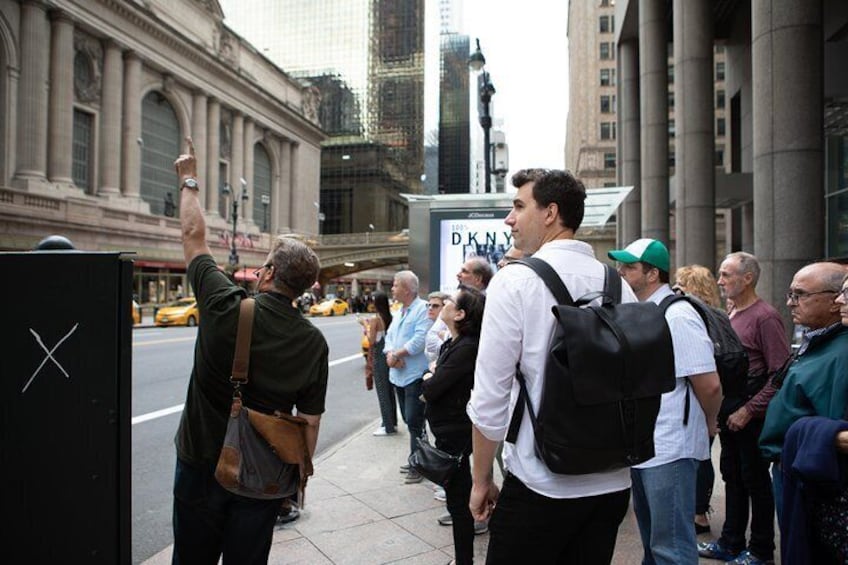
(433, 464)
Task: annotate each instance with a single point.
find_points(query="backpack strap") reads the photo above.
(554, 283)
(664, 304)
(550, 277)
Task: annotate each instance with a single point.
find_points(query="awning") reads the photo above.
(245, 274)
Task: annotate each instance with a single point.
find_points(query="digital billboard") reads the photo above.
(458, 234)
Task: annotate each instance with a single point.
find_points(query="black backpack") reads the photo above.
(731, 359)
(606, 370)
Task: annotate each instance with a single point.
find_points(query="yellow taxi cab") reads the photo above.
(136, 313)
(329, 307)
(183, 312)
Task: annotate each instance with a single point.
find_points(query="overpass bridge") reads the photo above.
(345, 254)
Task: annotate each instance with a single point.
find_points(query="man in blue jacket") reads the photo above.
(406, 358)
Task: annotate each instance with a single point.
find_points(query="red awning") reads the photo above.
(245, 275)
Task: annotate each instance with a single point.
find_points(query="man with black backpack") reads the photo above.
(744, 470)
(664, 486)
(539, 516)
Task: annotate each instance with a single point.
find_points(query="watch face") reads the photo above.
(190, 183)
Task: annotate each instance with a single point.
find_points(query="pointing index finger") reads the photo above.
(190, 144)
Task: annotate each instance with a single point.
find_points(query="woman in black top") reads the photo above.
(447, 391)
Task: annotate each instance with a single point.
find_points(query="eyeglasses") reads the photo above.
(794, 296)
(431, 305)
(258, 271)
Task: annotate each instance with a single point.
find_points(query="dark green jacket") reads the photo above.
(815, 385)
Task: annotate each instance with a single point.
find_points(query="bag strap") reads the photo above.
(550, 277)
(241, 359)
(664, 304)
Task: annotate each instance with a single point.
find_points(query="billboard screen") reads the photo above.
(456, 235)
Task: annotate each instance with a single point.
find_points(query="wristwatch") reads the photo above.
(190, 183)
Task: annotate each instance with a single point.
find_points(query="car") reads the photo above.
(136, 313)
(182, 312)
(330, 307)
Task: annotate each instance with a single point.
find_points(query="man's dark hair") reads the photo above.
(296, 266)
(663, 276)
(558, 187)
(471, 301)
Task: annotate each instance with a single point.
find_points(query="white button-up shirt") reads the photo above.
(693, 355)
(518, 326)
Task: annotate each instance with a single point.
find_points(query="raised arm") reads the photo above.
(192, 222)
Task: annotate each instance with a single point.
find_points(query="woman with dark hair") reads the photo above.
(376, 365)
(446, 392)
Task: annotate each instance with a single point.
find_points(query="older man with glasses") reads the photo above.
(816, 382)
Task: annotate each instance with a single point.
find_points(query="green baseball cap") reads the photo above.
(650, 251)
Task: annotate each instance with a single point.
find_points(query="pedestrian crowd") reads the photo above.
(456, 365)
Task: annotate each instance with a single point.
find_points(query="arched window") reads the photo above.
(261, 188)
(160, 134)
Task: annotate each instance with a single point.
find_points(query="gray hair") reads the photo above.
(439, 295)
(409, 279)
(481, 268)
(296, 266)
(748, 263)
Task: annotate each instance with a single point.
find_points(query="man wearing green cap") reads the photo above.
(664, 486)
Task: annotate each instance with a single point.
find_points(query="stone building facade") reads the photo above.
(96, 98)
(785, 162)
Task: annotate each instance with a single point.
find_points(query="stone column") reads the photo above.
(274, 211)
(695, 144)
(237, 158)
(61, 116)
(213, 154)
(198, 135)
(301, 210)
(787, 79)
(110, 119)
(283, 205)
(131, 162)
(248, 170)
(32, 95)
(653, 107)
(629, 152)
(747, 230)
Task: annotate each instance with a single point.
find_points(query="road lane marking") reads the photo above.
(179, 408)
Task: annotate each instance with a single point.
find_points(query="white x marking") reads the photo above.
(49, 355)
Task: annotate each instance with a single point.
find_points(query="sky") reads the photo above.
(525, 46)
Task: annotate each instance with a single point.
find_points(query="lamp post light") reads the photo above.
(265, 199)
(477, 62)
(227, 191)
(368, 233)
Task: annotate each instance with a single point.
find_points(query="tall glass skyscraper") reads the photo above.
(365, 60)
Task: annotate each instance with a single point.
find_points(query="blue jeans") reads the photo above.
(210, 521)
(664, 503)
(412, 410)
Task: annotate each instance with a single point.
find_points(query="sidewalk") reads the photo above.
(359, 511)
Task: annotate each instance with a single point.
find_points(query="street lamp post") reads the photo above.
(227, 191)
(477, 62)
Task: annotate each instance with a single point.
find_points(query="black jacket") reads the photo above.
(449, 389)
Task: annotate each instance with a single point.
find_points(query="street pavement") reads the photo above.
(359, 511)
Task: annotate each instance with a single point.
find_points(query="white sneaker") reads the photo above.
(439, 494)
(381, 431)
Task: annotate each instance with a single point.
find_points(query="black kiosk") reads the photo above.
(65, 369)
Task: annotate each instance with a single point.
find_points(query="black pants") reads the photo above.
(746, 477)
(704, 485)
(527, 527)
(457, 494)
